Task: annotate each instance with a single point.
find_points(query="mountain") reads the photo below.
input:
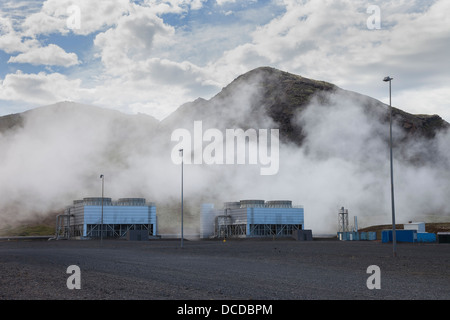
(333, 152)
(282, 96)
(70, 110)
(259, 94)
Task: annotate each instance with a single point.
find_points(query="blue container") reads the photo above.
(406, 235)
(348, 236)
(343, 236)
(370, 236)
(353, 236)
(386, 236)
(426, 237)
(401, 236)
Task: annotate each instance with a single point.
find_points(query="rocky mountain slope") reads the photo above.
(268, 93)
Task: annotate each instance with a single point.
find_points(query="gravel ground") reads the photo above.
(236, 269)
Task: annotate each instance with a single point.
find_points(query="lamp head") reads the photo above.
(387, 79)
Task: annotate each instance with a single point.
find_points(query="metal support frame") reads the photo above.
(274, 230)
(96, 228)
(230, 230)
(343, 220)
(63, 228)
(256, 230)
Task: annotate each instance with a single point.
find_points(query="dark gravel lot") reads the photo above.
(236, 269)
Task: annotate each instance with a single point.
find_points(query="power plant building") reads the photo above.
(251, 218)
(84, 218)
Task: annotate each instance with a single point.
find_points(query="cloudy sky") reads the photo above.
(150, 56)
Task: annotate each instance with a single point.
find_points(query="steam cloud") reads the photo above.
(59, 153)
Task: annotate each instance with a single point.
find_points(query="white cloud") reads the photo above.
(139, 67)
(94, 16)
(173, 6)
(11, 40)
(41, 88)
(153, 86)
(197, 4)
(132, 39)
(163, 7)
(222, 2)
(51, 55)
(41, 23)
(425, 100)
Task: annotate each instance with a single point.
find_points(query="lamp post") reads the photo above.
(101, 230)
(182, 163)
(394, 238)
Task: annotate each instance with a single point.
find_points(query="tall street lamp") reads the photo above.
(101, 230)
(394, 238)
(182, 163)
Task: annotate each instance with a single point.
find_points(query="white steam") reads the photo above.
(58, 156)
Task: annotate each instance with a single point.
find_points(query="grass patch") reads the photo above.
(24, 231)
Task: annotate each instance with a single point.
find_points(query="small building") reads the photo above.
(251, 218)
(84, 218)
(418, 226)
